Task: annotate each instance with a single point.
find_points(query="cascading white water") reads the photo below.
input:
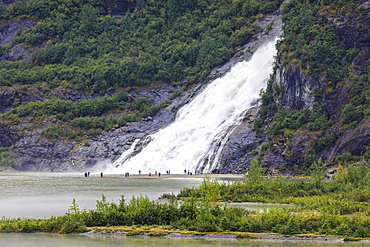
(200, 127)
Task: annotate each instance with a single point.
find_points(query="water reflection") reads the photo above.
(54, 240)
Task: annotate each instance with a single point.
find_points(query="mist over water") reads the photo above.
(193, 140)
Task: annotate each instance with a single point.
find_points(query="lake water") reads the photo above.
(54, 240)
(41, 195)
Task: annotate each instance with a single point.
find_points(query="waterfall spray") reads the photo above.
(200, 130)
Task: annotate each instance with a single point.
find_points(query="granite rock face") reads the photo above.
(353, 29)
(9, 30)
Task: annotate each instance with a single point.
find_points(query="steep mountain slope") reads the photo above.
(316, 109)
(81, 80)
(75, 74)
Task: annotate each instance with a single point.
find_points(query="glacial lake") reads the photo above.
(42, 195)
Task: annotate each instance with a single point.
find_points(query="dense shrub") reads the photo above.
(159, 41)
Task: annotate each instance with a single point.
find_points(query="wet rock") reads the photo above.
(299, 88)
(237, 154)
(8, 138)
(7, 96)
(9, 30)
(17, 53)
(355, 141)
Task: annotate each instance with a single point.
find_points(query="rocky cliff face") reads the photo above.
(353, 29)
(7, 32)
(36, 153)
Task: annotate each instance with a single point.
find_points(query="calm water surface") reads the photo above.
(42, 195)
(51, 240)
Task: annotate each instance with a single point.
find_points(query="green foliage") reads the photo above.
(67, 110)
(160, 41)
(316, 119)
(50, 54)
(79, 46)
(346, 158)
(318, 170)
(6, 157)
(359, 105)
(319, 119)
(255, 172)
(86, 117)
(291, 119)
(323, 142)
(313, 41)
(339, 206)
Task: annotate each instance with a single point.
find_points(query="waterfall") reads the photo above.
(202, 126)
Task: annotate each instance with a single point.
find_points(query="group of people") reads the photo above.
(156, 173)
(87, 174)
(191, 173)
(188, 172)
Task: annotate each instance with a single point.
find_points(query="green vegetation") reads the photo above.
(310, 41)
(67, 110)
(339, 206)
(79, 46)
(313, 42)
(86, 117)
(359, 105)
(165, 40)
(6, 157)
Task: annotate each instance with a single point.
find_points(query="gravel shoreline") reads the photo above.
(169, 176)
(221, 236)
